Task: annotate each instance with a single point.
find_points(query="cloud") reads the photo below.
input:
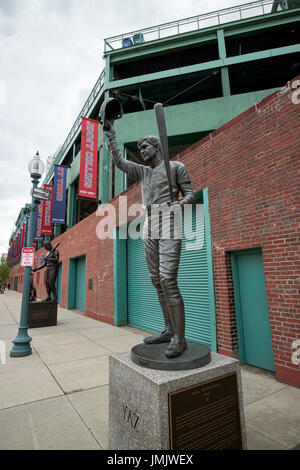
(9, 7)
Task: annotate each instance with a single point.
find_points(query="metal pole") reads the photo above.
(21, 345)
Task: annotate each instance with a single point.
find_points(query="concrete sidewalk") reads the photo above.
(57, 398)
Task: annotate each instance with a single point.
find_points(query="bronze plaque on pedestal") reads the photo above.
(206, 416)
(42, 314)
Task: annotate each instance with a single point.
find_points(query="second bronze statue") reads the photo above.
(162, 252)
(50, 261)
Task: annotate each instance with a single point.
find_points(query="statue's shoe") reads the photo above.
(47, 299)
(175, 348)
(163, 337)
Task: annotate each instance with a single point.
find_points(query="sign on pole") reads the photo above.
(27, 256)
(41, 193)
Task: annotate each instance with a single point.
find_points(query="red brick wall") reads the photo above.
(251, 167)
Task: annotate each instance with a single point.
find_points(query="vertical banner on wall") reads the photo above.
(20, 244)
(59, 194)
(88, 159)
(23, 235)
(47, 213)
(38, 225)
(26, 231)
(18, 247)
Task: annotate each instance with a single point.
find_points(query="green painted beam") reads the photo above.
(225, 62)
(225, 81)
(57, 230)
(210, 271)
(104, 185)
(224, 70)
(200, 116)
(157, 47)
(108, 71)
(262, 54)
(104, 172)
(221, 44)
(176, 72)
(119, 180)
(271, 21)
(73, 171)
(71, 204)
(71, 284)
(120, 280)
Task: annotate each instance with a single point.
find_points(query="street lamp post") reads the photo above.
(21, 345)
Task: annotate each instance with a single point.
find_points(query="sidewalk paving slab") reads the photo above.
(70, 352)
(258, 441)
(56, 339)
(92, 406)
(8, 331)
(96, 334)
(277, 416)
(26, 385)
(259, 386)
(51, 424)
(82, 374)
(121, 343)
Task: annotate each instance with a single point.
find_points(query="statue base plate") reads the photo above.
(153, 356)
(41, 313)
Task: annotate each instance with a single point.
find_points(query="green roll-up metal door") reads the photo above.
(80, 284)
(193, 278)
(58, 282)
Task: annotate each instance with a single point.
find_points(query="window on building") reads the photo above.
(68, 158)
(171, 91)
(263, 74)
(83, 207)
(169, 60)
(283, 35)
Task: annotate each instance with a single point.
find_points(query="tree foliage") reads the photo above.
(4, 269)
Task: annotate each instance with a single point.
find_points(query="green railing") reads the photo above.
(99, 86)
(194, 23)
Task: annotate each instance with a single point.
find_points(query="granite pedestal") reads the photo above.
(146, 413)
(41, 313)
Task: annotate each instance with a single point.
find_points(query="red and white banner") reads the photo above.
(88, 159)
(23, 236)
(47, 213)
(18, 246)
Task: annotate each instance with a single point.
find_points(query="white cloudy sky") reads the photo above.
(50, 57)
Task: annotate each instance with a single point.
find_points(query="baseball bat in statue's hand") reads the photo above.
(163, 137)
